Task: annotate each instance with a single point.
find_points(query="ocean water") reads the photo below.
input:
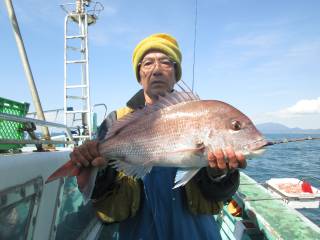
(295, 159)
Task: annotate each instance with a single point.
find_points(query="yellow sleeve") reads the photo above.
(120, 203)
(123, 200)
(197, 203)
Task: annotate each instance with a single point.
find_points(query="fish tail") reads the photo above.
(85, 180)
(66, 170)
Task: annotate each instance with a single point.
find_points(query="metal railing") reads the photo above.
(14, 118)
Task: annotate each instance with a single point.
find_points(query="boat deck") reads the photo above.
(273, 218)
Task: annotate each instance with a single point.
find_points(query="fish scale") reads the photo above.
(177, 131)
(159, 138)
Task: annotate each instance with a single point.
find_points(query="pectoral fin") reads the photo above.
(197, 150)
(183, 176)
(131, 169)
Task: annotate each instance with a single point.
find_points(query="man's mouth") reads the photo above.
(158, 82)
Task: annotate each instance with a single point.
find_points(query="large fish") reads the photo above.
(177, 131)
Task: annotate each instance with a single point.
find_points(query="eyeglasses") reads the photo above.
(150, 63)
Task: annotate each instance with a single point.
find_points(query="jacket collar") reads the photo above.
(137, 101)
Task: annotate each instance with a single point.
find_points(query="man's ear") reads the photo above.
(138, 70)
(175, 71)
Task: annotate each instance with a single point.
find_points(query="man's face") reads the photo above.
(157, 74)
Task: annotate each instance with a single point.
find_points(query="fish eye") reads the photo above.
(236, 125)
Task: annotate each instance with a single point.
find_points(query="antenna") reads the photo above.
(194, 42)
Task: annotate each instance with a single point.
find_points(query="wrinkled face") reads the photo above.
(232, 127)
(157, 74)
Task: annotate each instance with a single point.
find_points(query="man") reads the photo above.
(149, 208)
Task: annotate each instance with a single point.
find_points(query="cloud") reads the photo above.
(304, 106)
(304, 114)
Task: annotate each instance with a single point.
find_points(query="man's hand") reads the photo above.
(227, 160)
(85, 157)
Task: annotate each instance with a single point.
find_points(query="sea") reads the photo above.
(293, 159)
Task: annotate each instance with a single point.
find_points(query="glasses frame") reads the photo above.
(173, 64)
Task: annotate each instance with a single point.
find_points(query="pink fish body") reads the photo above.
(177, 131)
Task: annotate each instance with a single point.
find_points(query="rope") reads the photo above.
(194, 42)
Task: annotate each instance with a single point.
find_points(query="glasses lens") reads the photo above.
(164, 63)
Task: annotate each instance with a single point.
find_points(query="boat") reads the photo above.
(31, 209)
(257, 213)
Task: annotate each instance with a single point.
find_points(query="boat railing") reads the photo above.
(32, 123)
(93, 8)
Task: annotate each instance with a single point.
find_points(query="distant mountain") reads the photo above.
(280, 128)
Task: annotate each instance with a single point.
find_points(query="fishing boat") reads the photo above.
(31, 209)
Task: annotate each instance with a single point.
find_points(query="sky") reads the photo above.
(263, 57)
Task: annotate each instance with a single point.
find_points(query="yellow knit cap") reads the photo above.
(162, 42)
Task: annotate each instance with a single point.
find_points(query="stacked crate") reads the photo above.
(9, 129)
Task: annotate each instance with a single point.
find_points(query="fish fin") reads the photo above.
(123, 122)
(183, 176)
(169, 99)
(198, 150)
(89, 186)
(65, 170)
(131, 169)
(174, 98)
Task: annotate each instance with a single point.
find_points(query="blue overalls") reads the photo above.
(164, 215)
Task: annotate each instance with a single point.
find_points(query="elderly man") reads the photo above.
(149, 208)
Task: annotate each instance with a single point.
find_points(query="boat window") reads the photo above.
(74, 217)
(14, 220)
(18, 209)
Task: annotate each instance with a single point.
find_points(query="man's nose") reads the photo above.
(157, 69)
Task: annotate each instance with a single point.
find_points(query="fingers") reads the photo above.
(220, 159)
(241, 160)
(227, 159)
(93, 148)
(99, 162)
(82, 156)
(78, 157)
(232, 159)
(212, 160)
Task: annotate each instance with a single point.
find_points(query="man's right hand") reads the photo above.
(85, 157)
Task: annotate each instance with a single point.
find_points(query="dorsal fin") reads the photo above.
(169, 99)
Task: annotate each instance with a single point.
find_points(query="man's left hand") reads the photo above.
(226, 160)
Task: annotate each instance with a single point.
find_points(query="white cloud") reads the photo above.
(304, 114)
(304, 106)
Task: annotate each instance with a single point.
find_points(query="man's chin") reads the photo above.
(159, 92)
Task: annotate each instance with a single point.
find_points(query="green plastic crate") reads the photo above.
(8, 129)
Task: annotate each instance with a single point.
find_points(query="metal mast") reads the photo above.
(26, 65)
(77, 105)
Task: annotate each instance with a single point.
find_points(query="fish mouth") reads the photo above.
(257, 146)
(255, 149)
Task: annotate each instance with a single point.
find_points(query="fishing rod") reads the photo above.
(270, 143)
